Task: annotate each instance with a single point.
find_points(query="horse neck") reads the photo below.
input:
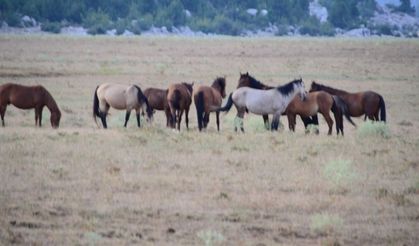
(50, 103)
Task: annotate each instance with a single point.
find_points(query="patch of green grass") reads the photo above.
(339, 173)
(325, 223)
(210, 237)
(373, 129)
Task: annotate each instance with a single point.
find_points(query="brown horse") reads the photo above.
(207, 99)
(28, 97)
(369, 103)
(119, 97)
(179, 99)
(321, 102)
(157, 98)
(246, 80)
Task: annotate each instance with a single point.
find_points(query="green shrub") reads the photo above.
(53, 27)
(121, 25)
(373, 128)
(339, 173)
(313, 27)
(97, 22)
(325, 223)
(13, 20)
(282, 30)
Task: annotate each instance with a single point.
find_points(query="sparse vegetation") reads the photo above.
(373, 128)
(93, 186)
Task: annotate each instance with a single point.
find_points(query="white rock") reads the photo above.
(252, 12)
(318, 11)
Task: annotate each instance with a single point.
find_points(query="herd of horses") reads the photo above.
(250, 95)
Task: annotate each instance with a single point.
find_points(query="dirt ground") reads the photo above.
(154, 186)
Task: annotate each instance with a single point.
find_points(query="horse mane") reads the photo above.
(329, 89)
(254, 83)
(220, 83)
(289, 87)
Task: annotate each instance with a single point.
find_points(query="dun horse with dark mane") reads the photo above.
(179, 99)
(369, 103)
(28, 97)
(208, 99)
(120, 97)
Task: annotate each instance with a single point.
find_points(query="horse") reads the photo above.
(369, 103)
(28, 97)
(323, 103)
(246, 80)
(264, 102)
(158, 101)
(179, 99)
(119, 97)
(207, 99)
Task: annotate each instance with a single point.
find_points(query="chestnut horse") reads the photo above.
(369, 103)
(179, 99)
(158, 101)
(119, 97)
(207, 99)
(323, 103)
(28, 97)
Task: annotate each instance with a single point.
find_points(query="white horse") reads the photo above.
(120, 97)
(264, 102)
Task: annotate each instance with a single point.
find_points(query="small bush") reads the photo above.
(121, 25)
(14, 20)
(97, 22)
(313, 27)
(339, 173)
(282, 30)
(325, 223)
(53, 27)
(210, 237)
(373, 128)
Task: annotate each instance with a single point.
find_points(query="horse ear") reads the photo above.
(247, 73)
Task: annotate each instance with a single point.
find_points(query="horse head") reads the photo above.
(300, 88)
(314, 86)
(55, 118)
(220, 85)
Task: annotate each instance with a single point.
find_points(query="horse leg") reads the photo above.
(187, 118)
(275, 122)
(2, 113)
(291, 121)
(206, 119)
(266, 121)
(138, 121)
(315, 121)
(127, 114)
(180, 112)
(40, 116)
(36, 116)
(329, 122)
(217, 115)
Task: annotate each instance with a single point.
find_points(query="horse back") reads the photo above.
(24, 97)
(156, 98)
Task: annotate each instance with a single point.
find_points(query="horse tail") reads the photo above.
(228, 105)
(176, 99)
(96, 110)
(382, 109)
(199, 104)
(143, 99)
(340, 106)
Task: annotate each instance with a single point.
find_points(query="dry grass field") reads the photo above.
(153, 186)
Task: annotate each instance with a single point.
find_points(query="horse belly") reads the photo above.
(28, 101)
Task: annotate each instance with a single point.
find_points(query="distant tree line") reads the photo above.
(210, 16)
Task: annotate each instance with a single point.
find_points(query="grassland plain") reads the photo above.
(84, 185)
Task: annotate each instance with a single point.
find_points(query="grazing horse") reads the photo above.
(246, 80)
(207, 99)
(119, 97)
(369, 103)
(321, 102)
(264, 102)
(28, 97)
(158, 101)
(179, 99)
